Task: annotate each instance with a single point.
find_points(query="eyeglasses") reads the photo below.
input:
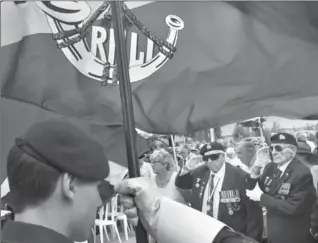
(278, 148)
(155, 162)
(211, 157)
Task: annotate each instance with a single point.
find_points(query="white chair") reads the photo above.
(118, 215)
(102, 222)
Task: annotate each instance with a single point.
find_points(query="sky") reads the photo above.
(284, 123)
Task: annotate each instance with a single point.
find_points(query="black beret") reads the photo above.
(214, 146)
(66, 148)
(284, 138)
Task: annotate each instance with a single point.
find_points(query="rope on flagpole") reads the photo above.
(81, 30)
(162, 44)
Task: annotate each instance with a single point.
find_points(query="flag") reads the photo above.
(217, 63)
(17, 117)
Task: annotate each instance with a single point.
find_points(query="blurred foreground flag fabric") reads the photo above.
(233, 61)
(17, 117)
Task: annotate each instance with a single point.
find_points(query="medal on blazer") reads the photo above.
(202, 188)
(284, 189)
(266, 189)
(232, 200)
(198, 183)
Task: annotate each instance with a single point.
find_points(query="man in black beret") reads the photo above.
(286, 190)
(56, 175)
(218, 189)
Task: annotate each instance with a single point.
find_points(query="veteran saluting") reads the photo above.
(286, 190)
(218, 189)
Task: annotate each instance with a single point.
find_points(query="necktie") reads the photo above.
(278, 173)
(210, 196)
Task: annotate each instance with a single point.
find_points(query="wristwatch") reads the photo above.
(315, 236)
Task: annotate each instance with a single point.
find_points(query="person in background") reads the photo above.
(309, 159)
(171, 222)
(185, 154)
(302, 137)
(56, 176)
(286, 189)
(163, 167)
(234, 160)
(145, 167)
(218, 189)
(245, 151)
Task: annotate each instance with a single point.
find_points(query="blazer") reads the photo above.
(288, 199)
(244, 216)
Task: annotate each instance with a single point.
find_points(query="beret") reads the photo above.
(66, 148)
(214, 146)
(284, 138)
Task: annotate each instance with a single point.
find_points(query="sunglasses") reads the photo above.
(278, 148)
(211, 157)
(155, 162)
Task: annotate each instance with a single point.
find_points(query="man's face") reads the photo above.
(282, 153)
(85, 203)
(243, 154)
(214, 162)
(184, 153)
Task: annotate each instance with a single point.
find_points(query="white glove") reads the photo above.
(155, 214)
(139, 193)
(255, 194)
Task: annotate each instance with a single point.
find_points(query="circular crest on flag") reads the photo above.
(95, 58)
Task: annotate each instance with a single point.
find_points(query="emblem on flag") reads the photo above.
(69, 22)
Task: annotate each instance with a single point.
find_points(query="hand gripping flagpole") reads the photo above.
(126, 100)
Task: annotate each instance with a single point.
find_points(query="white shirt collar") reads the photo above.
(284, 166)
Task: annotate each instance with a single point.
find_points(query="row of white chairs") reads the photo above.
(108, 216)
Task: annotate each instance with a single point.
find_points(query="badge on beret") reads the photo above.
(208, 146)
(282, 137)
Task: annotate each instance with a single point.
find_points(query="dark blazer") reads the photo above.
(246, 215)
(289, 200)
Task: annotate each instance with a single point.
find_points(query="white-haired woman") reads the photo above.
(164, 168)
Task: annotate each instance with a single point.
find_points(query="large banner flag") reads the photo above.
(192, 65)
(17, 117)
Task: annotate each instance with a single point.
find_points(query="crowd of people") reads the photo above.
(235, 182)
(247, 191)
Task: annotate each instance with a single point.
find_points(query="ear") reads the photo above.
(68, 186)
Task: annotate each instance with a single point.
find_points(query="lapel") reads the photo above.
(226, 185)
(285, 176)
(199, 184)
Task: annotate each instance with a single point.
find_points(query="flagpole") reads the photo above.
(261, 131)
(174, 149)
(126, 102)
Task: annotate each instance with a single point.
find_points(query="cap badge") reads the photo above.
(282, 137)
(208, 146)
